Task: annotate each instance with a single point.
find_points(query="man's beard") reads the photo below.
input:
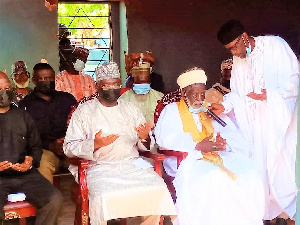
(24, 85)
(194, 104)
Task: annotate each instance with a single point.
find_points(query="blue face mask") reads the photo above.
(198, 110)
(141, 89)
(192, 110)
(248, 49)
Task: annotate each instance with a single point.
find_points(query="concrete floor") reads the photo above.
(68, 208)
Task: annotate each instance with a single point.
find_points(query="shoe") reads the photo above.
(281, 221)
(267, 222)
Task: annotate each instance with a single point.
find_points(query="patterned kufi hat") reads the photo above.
(19, 65)
(192, 76)
(107, 71)
(226, 64)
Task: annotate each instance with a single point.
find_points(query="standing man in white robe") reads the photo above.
(264, 87)
(108, 131)
(214, 185)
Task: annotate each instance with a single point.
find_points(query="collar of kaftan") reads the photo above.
(189, 125)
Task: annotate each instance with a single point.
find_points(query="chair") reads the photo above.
(79, 191)
(168, 98)
(19, 210)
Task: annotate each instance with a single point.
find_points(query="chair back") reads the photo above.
(168, 98)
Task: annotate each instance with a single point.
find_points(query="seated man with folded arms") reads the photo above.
(215, 184)
(108, 132)
(20, 155)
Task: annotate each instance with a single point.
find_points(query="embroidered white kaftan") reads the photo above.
(267, 125)
(120, 184)
(205, 195)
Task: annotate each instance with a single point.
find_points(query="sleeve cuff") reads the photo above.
(227, 106)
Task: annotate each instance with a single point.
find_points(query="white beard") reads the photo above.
(25, 85)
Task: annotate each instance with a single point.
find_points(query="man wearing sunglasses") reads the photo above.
(264, 87)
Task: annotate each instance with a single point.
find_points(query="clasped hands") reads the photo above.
(206, 145)
(21, 167)
(142, 131)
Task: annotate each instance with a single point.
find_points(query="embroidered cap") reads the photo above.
(195, 75)
(226, 64)
(81, 54)
(107, 71)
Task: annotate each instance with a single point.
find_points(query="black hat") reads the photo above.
(230, 31)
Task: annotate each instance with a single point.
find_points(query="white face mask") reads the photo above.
(25, 85)
(79, 65)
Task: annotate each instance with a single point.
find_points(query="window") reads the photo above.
(89, 26)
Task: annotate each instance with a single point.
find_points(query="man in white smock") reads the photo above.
(264, 88)
(108, 132)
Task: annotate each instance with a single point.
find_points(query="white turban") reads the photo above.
(107, 71)
(192, 76)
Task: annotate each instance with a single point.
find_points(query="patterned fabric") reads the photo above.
(18, 97)
(168, 98)
(79, 86)
(107, 71)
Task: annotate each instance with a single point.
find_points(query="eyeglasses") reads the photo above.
(113, 86)
(21, 74)
(234, 47)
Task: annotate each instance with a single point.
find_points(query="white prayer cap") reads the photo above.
(107, 71)
(192, 76)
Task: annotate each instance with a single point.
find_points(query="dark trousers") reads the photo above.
(39, 192)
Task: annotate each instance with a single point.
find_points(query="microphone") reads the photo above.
(216, 118)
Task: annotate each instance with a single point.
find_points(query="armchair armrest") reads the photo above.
(179, 155)
(79, 162)
(157, 158)
(83, 209)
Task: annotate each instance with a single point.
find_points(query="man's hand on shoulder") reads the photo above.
(23, 167)
(261, 97)
(100, 141)
(206, 145)
(5, 165)
(216, 108)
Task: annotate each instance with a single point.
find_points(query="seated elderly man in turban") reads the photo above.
(72, 79)
(215, 185)
(108, 131)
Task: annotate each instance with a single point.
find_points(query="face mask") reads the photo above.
(111, 95)
(141, 89)
(6, 97)
(46, 87)
(79, 65)
(248, 49)
(197, 110)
